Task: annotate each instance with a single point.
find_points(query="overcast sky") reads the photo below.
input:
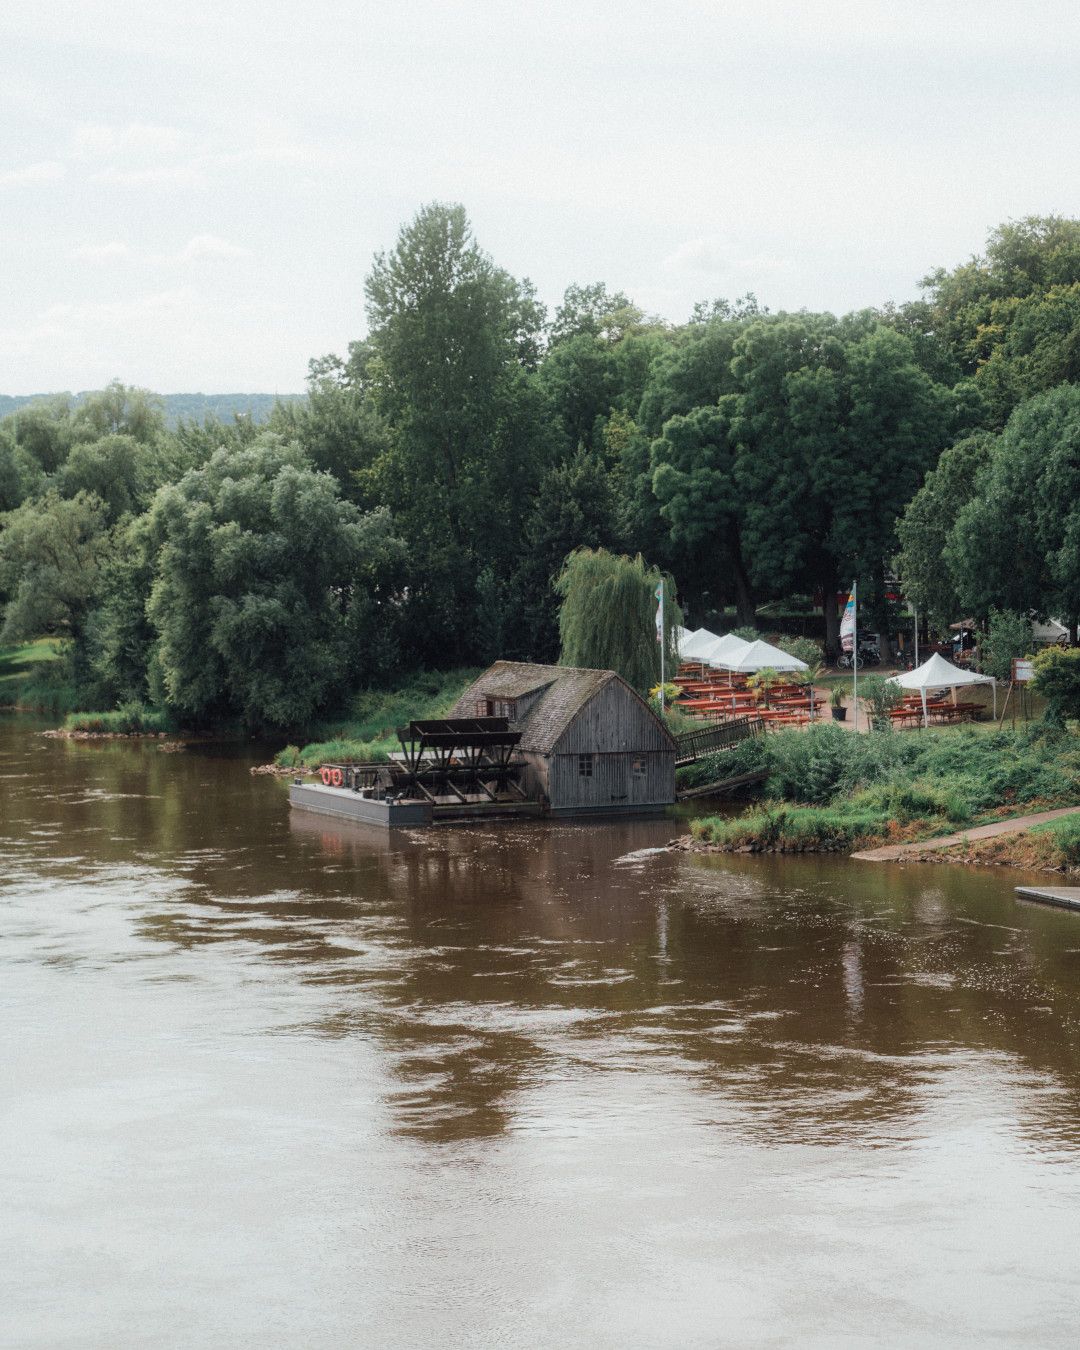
(190, 194)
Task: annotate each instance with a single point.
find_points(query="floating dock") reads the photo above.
(1065, 897)
(347, 804)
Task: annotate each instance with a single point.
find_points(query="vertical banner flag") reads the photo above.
(847, 624)
(659, 592)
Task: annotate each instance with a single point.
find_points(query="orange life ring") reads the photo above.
(324, 774)
(337, 777)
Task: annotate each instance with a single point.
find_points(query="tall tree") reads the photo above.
(608, 616)
(52, 551)
(257, 565)
(695, 481)
(454, 343)
(837, 425)
(928, 519)
(1016, 543)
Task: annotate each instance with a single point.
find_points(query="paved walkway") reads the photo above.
(893, 852)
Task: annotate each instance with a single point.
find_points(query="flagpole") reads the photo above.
(855, 650)
(662, 644)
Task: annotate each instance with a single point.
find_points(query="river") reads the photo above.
(270, 1081)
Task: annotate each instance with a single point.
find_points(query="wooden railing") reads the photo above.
(691, 745)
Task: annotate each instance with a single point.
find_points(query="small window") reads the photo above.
(504, 707)
(637, 766)
(483, 707)
(584, 766)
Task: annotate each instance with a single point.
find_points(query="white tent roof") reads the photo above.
(724, 650)
(937, 673)
(692, 647)
(764, 656)
(1051, 631)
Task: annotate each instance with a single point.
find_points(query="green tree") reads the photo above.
(928, 519)
(1008, 636)
(52, 551)
(1016, 543)
(116, 469)
(608, 616)
(573, 508)
(1057, 679)
(694, 480)
(257, 564)
(1011, 317)
(120, 410)
(454, 341)
(837, 425)
(594, 311)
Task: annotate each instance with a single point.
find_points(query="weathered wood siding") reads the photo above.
(617, 729)
(615, 720)
(612, 785)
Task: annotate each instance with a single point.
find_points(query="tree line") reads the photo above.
(416, 510)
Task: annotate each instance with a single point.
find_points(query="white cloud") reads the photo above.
(153, 175)
(100, 253)
(99, 140)
(718, 257)
(44, 171)
(198, 247)
(210, 246)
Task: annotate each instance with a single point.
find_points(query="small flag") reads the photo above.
(847, 623)
(659, 593)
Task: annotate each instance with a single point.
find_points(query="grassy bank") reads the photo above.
(1053, 847)
(367, 730)
(127, 720)
(36, 677)
(827, 788)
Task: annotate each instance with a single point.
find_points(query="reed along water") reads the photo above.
(273, 1081)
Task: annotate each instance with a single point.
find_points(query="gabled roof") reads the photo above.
(563, 692)
(938, 673)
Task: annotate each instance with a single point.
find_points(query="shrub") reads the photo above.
(804, 649)
(1065, 835)
(1057, 678)
(338, 751)
(1009, 635)
(880, 697)
(128, 719)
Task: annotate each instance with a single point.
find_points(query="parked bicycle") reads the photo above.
(869, 655)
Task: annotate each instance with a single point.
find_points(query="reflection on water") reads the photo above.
(275, 1081)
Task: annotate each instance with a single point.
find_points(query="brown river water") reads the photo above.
(278, 1082)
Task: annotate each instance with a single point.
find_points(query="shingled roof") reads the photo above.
(563, 690)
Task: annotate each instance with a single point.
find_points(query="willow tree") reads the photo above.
(607, 620)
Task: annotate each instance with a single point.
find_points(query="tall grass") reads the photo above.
(366, 731)
(826, 784)
(37, 676)
(129, 718)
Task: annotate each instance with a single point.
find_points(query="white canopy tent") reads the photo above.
(762, 656)
(692, 646)
(937, 673)
(724, 650)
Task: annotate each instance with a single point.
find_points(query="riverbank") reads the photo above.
(34, 679)
(826, 791)
(366, 730)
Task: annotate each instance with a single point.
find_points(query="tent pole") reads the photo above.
(925, 714)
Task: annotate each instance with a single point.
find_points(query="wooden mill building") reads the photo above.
(589, 742)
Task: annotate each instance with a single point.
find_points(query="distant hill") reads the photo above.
(195, 407)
